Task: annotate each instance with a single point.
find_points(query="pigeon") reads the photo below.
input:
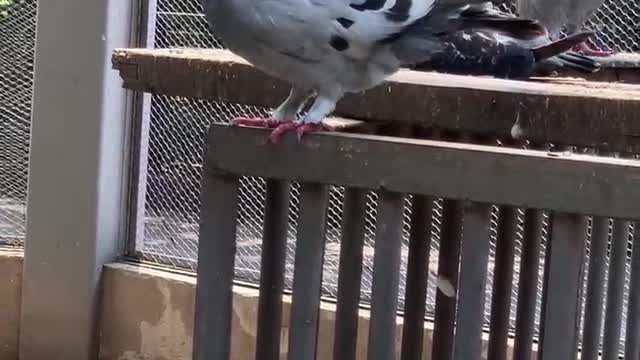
(465, 53)
(327, 48)
(554, 14)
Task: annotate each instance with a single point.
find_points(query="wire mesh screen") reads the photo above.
(616, 23)
(17, 43)
(177, 129)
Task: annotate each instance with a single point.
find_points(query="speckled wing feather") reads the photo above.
(312, 29)
(513, 55)
(444, 24)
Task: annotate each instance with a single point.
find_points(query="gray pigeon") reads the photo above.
(326, 48)
(554, 14)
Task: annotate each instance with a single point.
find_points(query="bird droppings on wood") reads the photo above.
(445, 286)
(517, 132)
(565, 153)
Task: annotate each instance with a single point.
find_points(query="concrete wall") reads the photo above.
(10, 291)
(147, 314)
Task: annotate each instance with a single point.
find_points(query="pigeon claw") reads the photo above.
(256, 122)
(281, 130)
(310, 128)
(299, 127)
(586, 50)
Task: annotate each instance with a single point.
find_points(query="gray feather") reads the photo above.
(554, 14)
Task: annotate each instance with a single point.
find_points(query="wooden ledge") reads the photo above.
(566, 111)
(521, 178)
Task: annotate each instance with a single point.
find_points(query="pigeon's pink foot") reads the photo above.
(586, 50)
(256, 122)
(311, 128)
(300, 129)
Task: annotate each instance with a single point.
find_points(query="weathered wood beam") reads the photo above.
(519, 178)
(565, 111)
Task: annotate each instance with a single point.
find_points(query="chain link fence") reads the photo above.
(616, 23)
(177, 129)
(17, 44)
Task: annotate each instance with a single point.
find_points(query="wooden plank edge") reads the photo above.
(584, 119)
(521, 178)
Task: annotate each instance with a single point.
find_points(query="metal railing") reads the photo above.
(569, 187)
(564, 113)
(170, 209)
(167, 212)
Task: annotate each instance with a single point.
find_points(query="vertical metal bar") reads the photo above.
(146, 24)
(274, 248)
(503, 282)
(140, 127)
(563, 280)
(76, 178)
(595, 289)
(450, 238)
(216, 256)
(474, 257)
(354, 213)
(528, 279)
(632, 339)
(615, 293)
(307, 277)
(528, 284)
(349, 274)
(417, 278)
(386, 276)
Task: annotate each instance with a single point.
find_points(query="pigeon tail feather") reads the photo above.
(559, 46)
(579, 62)
(548, 66)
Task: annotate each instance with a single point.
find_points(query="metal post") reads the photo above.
(77, 174)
